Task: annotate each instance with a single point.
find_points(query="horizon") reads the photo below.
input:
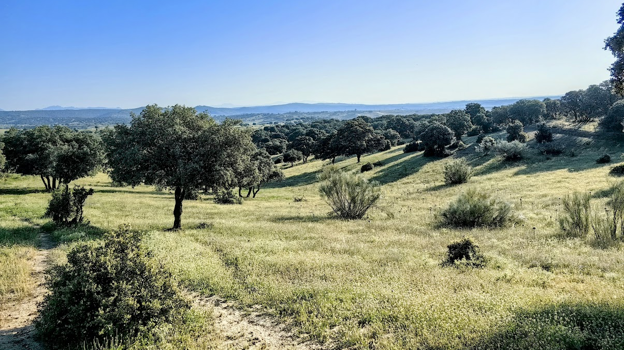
(244, 54)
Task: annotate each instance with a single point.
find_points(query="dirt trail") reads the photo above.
(251, 330)
(16, 318)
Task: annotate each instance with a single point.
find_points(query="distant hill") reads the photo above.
(92, 116)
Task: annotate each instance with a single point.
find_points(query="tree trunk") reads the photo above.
(49, 183)
(177, 210)
(54, 183)
(255, 192)
(334, 160)
(305, 159)
(239, 192)
(358, 156)
(249, 192)
(44, 183)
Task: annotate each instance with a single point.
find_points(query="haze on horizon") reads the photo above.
(245, 53)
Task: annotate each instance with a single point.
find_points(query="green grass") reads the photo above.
(378, 282)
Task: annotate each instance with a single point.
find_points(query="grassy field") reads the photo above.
(376, 283)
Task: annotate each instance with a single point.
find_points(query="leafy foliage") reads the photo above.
(350, 196)
(367, 167)
(576, 217)
(486, 145)
(614, 118)
(543, 134)
(435, 139)
(457, 171)
(465, 252)
(511, 151)
(476, 209)
(66, 206)
(227, 197)
(292, 156)
(605, 158)
(615, 44)
(414, 146)
(527, 111)
(515, 131)
(108, 289)
(357, 137)
(459, 122)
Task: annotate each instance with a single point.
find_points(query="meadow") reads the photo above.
(376, 283)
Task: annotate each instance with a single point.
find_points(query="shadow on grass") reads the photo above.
(20, 191)
(23, 236)
(68, 234)
(561, 326)
(122, 190)
(297, 180)
(303, 218)
(397, 171)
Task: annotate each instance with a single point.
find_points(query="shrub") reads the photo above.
(476, 130)
(191, 194)
(109, 289)
(486, 145)
(510, 150)
(415, 146)
(552, 148)
(480, 138)
(465, 252)
(617, 170)
(227, 197)
(576, 216)
(349, 195)
(605, 158)
(387, 145)
(279, 160)
(457, 172)
(66, 206)
(292, 156)
(367, 167)
(476, 209)
(543, 134)
(514, 130)
(614, 118)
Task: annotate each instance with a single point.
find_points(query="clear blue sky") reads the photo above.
(132, 53)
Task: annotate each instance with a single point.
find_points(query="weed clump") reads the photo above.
(576, 219)
(227, 197)
(604, 159)
(511, 151)
(464, 252)
(109, 289)
(367, 167)
(66, 206)
(476, 209)
(349, 195)
(457, 172)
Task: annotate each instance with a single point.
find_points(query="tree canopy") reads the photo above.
(179, 149)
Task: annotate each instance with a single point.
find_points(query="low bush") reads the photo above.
(415, 146)
(476, 209)
(511, 151)
(474, 131)
(544, 134)
(349, 195)
(464, 252)
(66, 206)
(480, 138)
(604, 159)
(457, 172)
(108, 289)
(227, 197)
(515, 132)
(617, 170)
(552, 148)
(576, 217)
(486, 145)
(367, 167)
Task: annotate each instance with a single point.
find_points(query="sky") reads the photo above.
(244, 53)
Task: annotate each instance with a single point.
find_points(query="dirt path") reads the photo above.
(254, 330)
(16, 328)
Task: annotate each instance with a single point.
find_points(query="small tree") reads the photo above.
(66, 206)
(358, 137)
(459, 122)
(615, 118)
(305, 145)
(515, 132)
(349, 195)
(527, 111)
(327, 148)
(486, 145)
(392, 136)
(435, 139)
(292, 156)
(177, 148)
(544, 134)
(457, 171)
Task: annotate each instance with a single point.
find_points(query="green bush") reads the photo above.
(109, 289)
(415, 146)
(617, 170)
(576, 217)
(474, 131)
(464, 252)
(515, 131)
(66, 206)
(367, 167)
(457, 172)
(544, 134)
(227, 197)
(486, 145)
(476, 209)
(349, 195)
(552, 148)
(480, 138)
(604, 159)
(511, 151)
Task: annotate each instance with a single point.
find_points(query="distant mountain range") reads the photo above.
(80, 117)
